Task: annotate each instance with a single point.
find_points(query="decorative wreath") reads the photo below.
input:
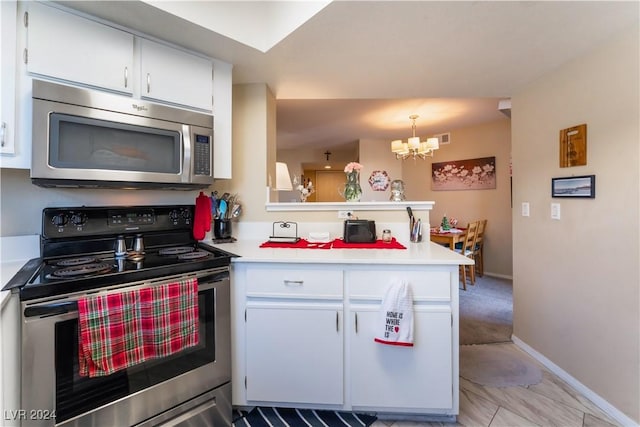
(379, 180)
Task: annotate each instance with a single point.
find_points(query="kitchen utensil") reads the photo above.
(236, 210)
(223, 208)
(214, 204)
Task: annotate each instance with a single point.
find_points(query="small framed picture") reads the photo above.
(574, 186)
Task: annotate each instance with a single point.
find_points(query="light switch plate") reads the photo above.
(525, 208)
(555, 210)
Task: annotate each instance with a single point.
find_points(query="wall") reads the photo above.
(486, 140)
(576, 280)
(21, 202)
(376, 156)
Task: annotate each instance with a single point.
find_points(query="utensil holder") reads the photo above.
(221, 228)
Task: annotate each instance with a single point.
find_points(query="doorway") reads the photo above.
(327, 184)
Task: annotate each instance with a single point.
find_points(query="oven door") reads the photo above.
(51, 384)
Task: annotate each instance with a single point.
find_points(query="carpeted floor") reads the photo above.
(486, 311)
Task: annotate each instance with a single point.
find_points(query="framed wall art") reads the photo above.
(379, 180)
(574, 187)
(471, 174)
(573, 146)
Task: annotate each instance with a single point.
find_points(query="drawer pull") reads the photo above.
(293, 282)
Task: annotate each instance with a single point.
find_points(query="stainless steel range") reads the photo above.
(104, 250)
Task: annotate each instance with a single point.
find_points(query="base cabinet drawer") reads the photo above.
(425, 285)
(299, 283)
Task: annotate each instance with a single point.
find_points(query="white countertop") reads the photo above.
(424, 253)
(15, 251)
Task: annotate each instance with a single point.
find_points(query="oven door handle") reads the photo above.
(51, 309)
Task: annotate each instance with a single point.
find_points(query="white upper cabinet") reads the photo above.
(171, 75)
(68, 47)
(7, 77)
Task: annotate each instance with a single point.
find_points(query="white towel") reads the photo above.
(395, 319)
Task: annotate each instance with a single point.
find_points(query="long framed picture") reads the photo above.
(470, 174)
(574, 187)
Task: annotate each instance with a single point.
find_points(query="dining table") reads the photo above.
(448, 237)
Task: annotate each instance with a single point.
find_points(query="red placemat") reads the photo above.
(379, 244)
(300, 244)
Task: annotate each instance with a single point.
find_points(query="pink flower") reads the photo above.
(352, 166)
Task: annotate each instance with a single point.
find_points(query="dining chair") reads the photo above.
(467, 250)
(477, 248)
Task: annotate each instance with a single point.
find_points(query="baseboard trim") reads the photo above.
(601, 403)
(499, 276)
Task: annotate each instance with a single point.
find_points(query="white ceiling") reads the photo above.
(358, 69)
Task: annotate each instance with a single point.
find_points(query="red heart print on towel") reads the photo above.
(397, 328)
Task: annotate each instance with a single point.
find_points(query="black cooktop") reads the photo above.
(38, 278)
(78, 249)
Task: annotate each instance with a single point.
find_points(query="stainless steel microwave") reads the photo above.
(89, 139)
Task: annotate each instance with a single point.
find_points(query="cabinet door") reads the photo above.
(7, 76)
(294, 354)
(175, 76)
(69, 47)
(394, 377)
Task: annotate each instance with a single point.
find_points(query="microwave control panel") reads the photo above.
(202, 155)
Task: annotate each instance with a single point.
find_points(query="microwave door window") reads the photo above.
(86, 143)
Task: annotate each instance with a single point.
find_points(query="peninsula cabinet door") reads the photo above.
(396, 377)
(295, 354)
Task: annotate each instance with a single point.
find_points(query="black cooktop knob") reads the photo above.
(174, 215)
(59, 220)
(78, 219)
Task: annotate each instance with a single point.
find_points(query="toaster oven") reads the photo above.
(359, 231)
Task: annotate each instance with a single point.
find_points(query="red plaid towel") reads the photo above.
(123, 329)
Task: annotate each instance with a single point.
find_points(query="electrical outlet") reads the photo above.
(555, 210)
(525, 208)
(345, 214)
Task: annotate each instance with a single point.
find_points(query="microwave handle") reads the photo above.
(50, 309)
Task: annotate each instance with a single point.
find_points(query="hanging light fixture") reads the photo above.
(414, 147)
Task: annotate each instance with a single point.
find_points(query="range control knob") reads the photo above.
(186, 214)
(59, 220)
(174, 215)
(78, 219)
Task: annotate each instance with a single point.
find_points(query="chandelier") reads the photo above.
(414, 147)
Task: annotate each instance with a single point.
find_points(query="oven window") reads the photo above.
(85, 143)
(76, 395)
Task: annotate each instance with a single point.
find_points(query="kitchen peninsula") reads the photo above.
(304, 321)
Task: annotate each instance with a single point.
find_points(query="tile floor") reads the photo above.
(552, 402)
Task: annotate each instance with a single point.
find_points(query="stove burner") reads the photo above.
(175, 250)
(76, 261)
(194, 255)
(82, 270)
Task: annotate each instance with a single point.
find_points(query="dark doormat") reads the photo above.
(264, 417)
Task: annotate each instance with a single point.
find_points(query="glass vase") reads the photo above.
(352, 189)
